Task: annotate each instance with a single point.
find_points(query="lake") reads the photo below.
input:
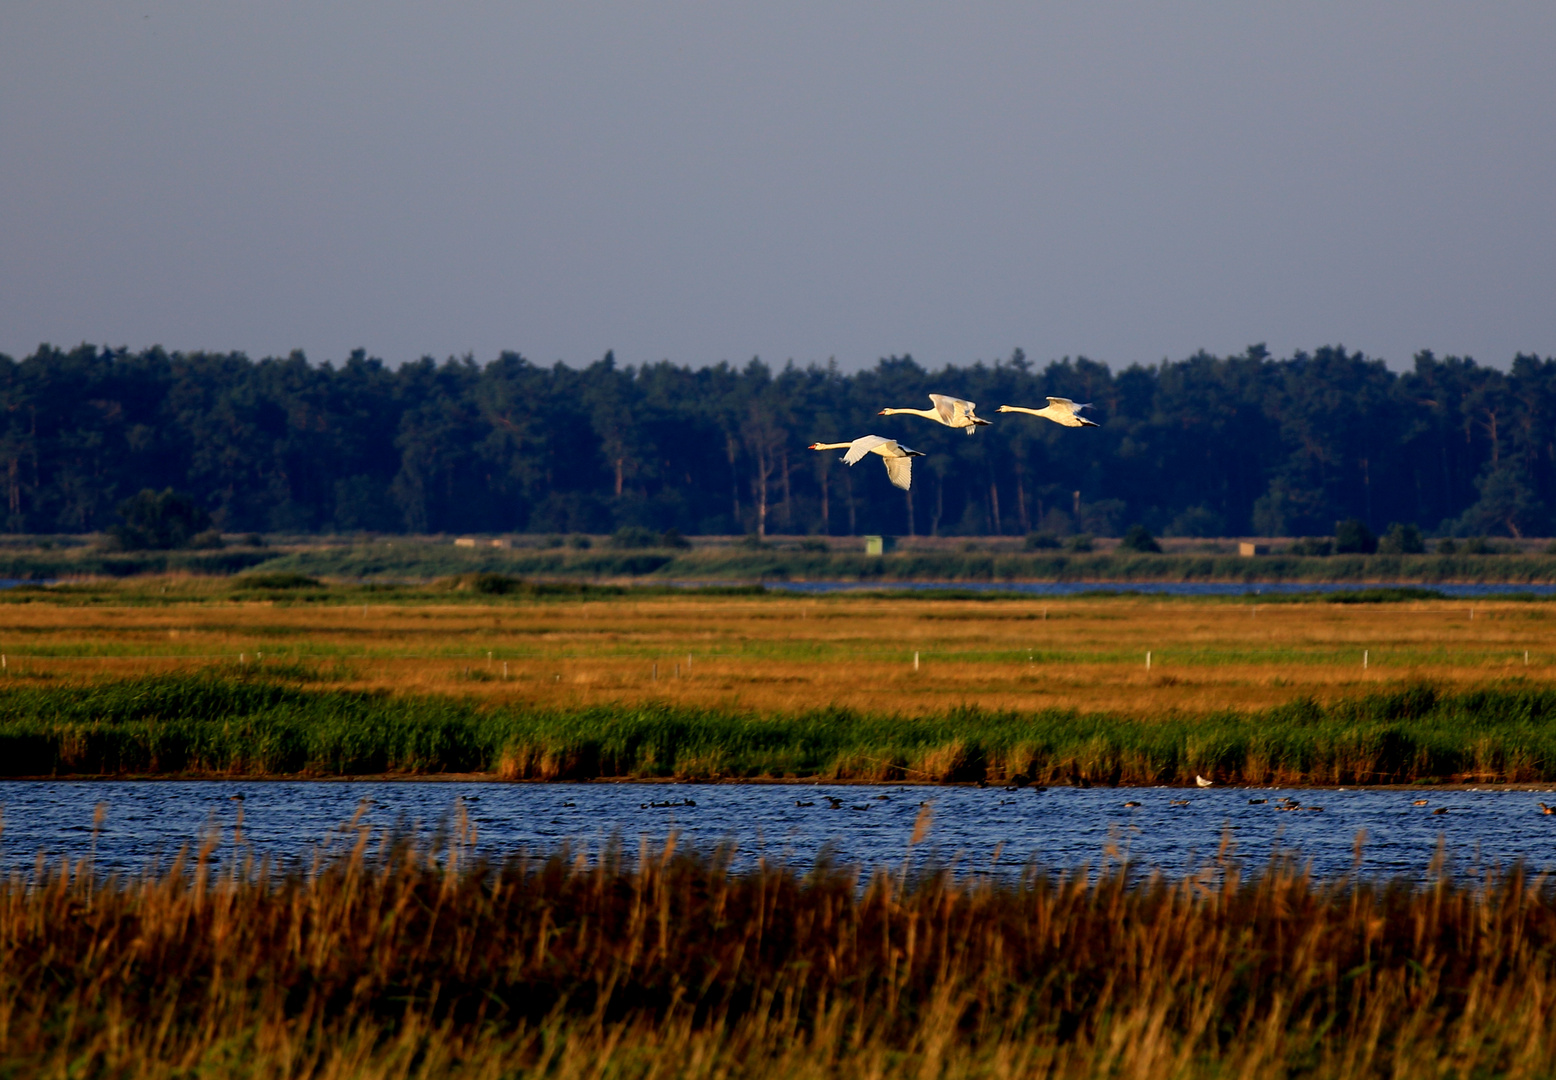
(148, 821)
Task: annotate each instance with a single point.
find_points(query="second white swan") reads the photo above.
(953, 412)
(898, 458)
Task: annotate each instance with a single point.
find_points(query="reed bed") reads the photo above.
(395, 961)
(221, 725)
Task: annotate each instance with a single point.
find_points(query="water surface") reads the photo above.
(1165, 588)
(148, 821)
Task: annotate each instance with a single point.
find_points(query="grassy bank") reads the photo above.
(213, 724)
(416, 560)
(403, 560)
(83, 561)
(388, 962)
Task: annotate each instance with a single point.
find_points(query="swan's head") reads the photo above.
(815, 446)
(1004, 408)
(883, 412)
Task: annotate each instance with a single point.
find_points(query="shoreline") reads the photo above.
(1523, 787)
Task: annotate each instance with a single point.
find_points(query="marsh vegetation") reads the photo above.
(389, 560)
(287, 675)
(391, 960)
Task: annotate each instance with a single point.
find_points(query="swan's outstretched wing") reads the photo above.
(863, 446)
(1064, 404)
(900, 471)
(954, 411)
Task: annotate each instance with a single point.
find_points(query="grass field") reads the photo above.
(779, 653)
(281, 676)
(392, 962)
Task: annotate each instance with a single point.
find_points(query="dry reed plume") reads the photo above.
(388, 962)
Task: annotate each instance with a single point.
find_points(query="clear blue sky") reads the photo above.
(802, 180)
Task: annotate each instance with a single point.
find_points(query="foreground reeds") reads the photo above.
(391, 961)
(216, 724)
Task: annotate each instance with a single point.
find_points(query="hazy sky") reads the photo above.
(706, 181)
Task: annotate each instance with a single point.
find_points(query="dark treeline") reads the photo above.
(1206, 446)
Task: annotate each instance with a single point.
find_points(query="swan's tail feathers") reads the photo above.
(900, 471)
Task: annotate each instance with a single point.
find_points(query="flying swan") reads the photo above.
(898, 458)
(953, 412)
(1061, 410)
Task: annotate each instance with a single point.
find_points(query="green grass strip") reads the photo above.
(268, 726)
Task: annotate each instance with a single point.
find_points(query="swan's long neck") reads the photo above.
(929, 414)
(1030, 412)
(832, 446)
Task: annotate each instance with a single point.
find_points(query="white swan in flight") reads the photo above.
(898, 458)
(953, 412)
(1061, 410)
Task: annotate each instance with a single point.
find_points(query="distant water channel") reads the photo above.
(147, 822)
(1162, 588)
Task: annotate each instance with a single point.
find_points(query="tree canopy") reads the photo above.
(1203, 446)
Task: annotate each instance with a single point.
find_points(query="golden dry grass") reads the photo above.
(785, 654)
(392, 963)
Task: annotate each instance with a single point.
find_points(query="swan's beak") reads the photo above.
(881, 413)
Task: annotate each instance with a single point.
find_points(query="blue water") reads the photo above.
(1163, 588)
(147, 822)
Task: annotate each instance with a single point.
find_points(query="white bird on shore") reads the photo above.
(1061, 410)
(898, 458)
(953, 412)
(1201, 781)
